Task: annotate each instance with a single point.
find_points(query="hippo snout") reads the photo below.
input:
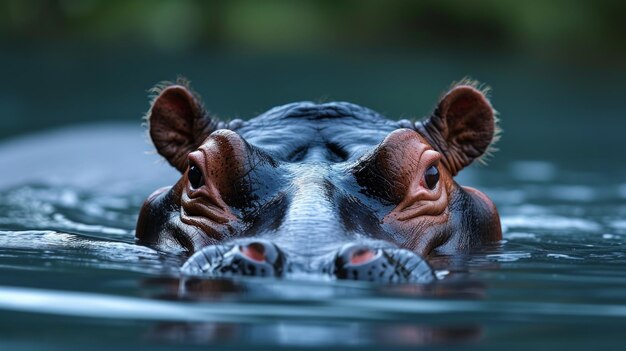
(262, 258)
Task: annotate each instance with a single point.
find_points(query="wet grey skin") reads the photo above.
(292, 195)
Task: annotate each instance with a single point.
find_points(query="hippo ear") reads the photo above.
(462, 127)
(178, 124)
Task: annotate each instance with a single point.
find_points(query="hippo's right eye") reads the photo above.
(431, 177)
(195, 177)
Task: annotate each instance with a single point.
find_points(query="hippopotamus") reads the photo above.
(331, 190)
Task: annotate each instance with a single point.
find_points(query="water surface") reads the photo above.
(71, 274)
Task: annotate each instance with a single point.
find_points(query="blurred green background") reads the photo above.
(557, 68)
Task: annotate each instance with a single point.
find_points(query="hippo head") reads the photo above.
(333, 190)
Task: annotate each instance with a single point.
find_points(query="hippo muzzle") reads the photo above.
(333, 191)
(350, 262)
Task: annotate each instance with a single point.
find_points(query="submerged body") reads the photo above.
(332, 189)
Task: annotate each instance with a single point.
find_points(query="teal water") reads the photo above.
(71, 185)
(72, 277)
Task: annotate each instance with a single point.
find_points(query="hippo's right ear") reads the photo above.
(178, 124)
(462, 128)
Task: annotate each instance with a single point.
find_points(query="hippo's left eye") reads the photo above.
(195, 177)
(431, 177)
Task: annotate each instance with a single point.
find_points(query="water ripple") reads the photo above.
(378, 309)
(550, 222)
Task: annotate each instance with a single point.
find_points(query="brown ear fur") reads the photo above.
(178, 124)
(462, 127)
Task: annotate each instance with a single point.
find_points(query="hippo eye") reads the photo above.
(195, 177)
(431, 177)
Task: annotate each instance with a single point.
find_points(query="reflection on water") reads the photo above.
(71, 273)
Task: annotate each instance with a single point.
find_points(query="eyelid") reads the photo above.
(193, 163)
(431, 158)
(434, 163)
(195, 159)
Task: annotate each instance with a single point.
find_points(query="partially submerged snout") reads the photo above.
(261, 258)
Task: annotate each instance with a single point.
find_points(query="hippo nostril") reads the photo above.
(354, 254)
(361, 256)
(254, 251)
(357, 262)
(260, 251)
(257, 258)
(254, 258)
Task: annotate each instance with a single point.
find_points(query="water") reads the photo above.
(71, 275)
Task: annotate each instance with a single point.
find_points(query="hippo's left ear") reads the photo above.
(177, 123)
(462, 127)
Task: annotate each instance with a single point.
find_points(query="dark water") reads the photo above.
(71, 275)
